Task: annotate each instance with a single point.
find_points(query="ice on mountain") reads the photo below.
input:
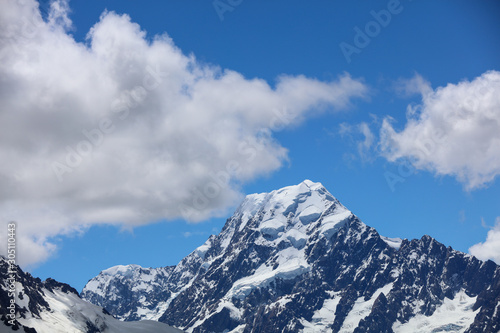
(361, 309)
(324, 317)
(272, 227)
(457, 311)
(120, 270)
(393, 242)
(297, 238)
(310, 214)
(249, 207)
(332, 223)
(202, 250)
(290, 264)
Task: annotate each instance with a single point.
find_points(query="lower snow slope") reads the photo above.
(53, 307)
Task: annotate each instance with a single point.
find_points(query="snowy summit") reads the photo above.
(297, 260)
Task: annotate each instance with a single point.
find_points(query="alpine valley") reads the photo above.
(292, 260)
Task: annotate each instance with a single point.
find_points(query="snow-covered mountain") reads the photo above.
(53, 307)
(296, 260)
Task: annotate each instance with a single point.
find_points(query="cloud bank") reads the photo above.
(454, 131)
(490, 249)
(126, 129)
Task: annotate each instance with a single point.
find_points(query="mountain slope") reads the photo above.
(296, 260)
(54, 307)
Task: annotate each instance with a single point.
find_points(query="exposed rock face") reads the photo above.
(296, 260)
(54, 307)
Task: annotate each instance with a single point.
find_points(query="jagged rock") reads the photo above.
(297, 260)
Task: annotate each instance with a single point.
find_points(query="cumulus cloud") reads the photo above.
(454, 131)
(126, 129)
(490, 249)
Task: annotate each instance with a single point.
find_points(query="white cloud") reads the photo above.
(122, 129)
(490, 249)
(58, 15)
(455, 131)
(365, 145)
(415, 85)
(345, 129)
(361, 136)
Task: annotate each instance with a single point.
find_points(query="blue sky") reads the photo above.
(440, 58)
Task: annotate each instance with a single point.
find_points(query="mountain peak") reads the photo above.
(296, 260)
(121, 269)
(312, 185)
(289, 214)
(307, 199)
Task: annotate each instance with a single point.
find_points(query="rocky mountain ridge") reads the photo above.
(30, 305)
(297, 260)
